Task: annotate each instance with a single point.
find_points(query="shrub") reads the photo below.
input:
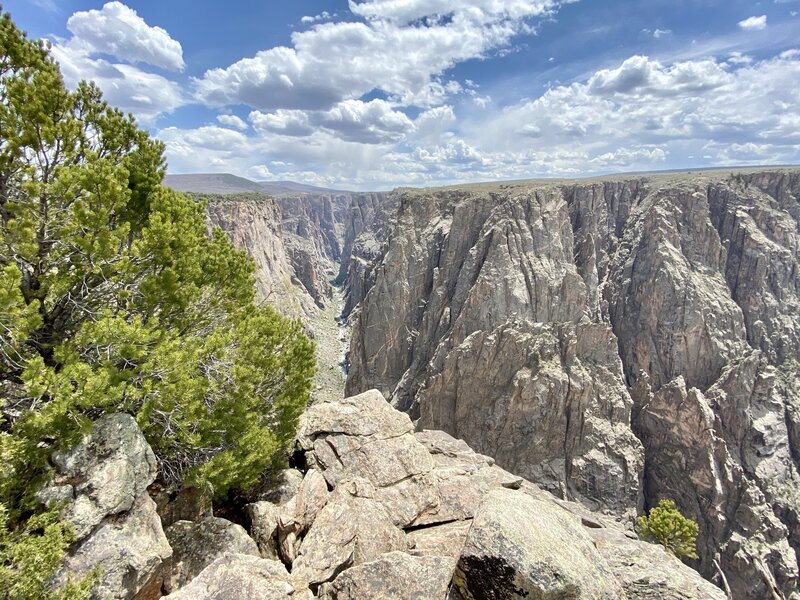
(667, 526)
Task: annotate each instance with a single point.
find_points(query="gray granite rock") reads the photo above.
(196, 545)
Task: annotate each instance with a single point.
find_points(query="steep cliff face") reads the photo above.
(254, 225)
(313, 234)
(369, 220)
(615, 341)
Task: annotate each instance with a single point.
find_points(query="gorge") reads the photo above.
(615, 340)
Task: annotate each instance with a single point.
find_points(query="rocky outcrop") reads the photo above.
(616, 341)
(394, 575)
(508, 554)
(104, 481)
(508, 391)
(480, 533)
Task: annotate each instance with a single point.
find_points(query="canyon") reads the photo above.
(613, 341)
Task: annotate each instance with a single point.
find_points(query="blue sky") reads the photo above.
(372, 94)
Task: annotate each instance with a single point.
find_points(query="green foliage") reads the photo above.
(114, 297)
(31, 554)
(667, 526)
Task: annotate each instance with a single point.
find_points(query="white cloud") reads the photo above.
(374, 122)
(323, 16)
(232, 121)
(639, 115)
(118, 31)
(481, 11)
(259, 172)
(754, 23)
(643, 106)
(658, 33)
(146, 95)
(334, 62)
(103, 41)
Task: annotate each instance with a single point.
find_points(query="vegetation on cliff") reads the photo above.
(114, 297)
(667, 526)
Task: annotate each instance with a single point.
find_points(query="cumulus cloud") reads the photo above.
(232, 121)
(146, 95)
(103, 44)
(117, 30)
(323, 16)
(390, 51)
(754, 23)
(640, 114)
(373, 122)
(644, 105)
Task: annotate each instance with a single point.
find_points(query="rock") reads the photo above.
(255, 226)
(282, 487)
(264, 517)
(104, 474)
(312, 496)
(648, 572)
(507, 390)
(539, 320)
(104, 479)
(363, 437)
(352, 528)
(520, 546)
(394, 575)
(185, 504)
(196, 545)
(739, 528)
(299, 513)
(244, 577)
(446, 539)
(128, 551)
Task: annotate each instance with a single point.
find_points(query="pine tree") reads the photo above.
(114, 297)
(667, 526)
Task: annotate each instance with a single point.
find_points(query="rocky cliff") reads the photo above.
(616, 341)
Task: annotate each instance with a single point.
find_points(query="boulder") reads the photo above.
(364, 437)
(524, 547)
(104, 474)
(392, 576)
(446, 539)
(352, 528)
(104, 480)
(128, 551)
(281, 487)
(648, 572)
(244, 577)
(264, 518)
(296, 516)
(196, 545)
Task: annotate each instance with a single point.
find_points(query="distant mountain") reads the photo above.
(225, 183)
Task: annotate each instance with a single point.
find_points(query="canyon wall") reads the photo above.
(616, 341)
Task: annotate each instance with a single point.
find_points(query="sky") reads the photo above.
(375, 94)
